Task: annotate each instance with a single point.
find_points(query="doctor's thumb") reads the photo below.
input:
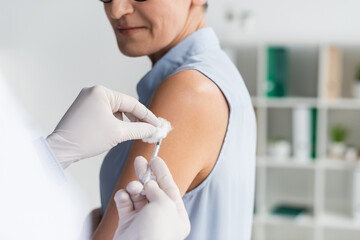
(123, 203)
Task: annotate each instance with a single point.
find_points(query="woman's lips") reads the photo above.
(129, 30)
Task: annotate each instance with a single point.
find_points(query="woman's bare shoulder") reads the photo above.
(193, 90)
(199, 113)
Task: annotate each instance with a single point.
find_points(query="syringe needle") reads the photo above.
(147, 176)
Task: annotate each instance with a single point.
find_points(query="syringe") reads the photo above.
(147, 175)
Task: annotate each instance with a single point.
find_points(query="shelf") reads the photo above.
(338, 164)
(281, 163)
(303, 220)
(238, 39)
(343, 103)
(332, 221)
(286, 102)
(339, 221)
(291, 102)
(324, 185)
(269, 162)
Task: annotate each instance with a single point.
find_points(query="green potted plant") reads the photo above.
(338, 136)
(357, 83)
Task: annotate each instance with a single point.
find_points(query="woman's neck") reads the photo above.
(194, 22)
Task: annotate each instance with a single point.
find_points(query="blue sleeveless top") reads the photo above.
(221, 207)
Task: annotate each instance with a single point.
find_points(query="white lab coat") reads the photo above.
(35, 199)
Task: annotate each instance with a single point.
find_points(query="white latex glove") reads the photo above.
(160, 215)
(93, 124)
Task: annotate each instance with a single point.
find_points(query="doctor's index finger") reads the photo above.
(140, 165)
(123, 103)
(165, 179)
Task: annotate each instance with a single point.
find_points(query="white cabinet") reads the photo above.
(321, 185)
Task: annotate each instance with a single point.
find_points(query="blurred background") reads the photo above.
(300, 61)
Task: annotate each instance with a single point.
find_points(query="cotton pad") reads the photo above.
(161, 132)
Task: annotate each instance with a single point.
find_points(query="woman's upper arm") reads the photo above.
(198, 112)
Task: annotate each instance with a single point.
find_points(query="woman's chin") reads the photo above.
(133, 52)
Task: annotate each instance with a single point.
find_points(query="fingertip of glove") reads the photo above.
(140, 161)
(159, 165)
(151, 185)
(152, 129)
(121, 196)
(156, 160)
(145, 130)
(152, 119)
(134, 187)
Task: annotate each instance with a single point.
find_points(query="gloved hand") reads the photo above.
(93, 124)
(160, 215)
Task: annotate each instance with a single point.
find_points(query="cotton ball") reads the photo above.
(161, 132)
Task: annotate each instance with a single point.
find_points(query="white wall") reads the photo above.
(290, 20)
(49, 50)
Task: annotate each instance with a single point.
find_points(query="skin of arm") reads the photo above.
(198, 112)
